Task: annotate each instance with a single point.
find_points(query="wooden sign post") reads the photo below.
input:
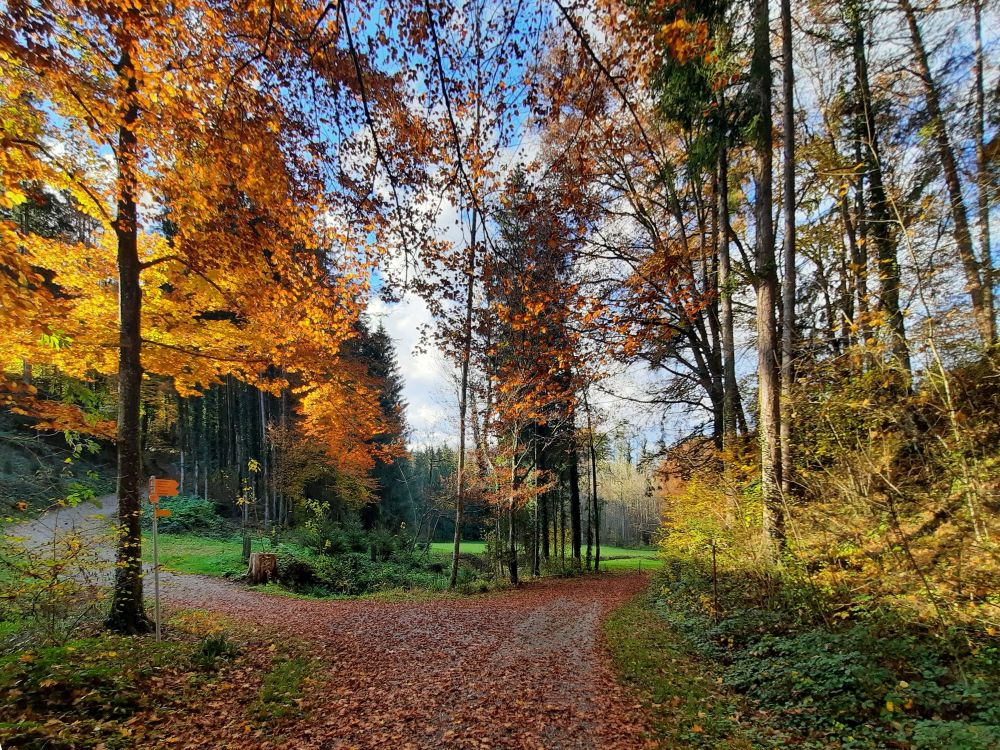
(158, 488)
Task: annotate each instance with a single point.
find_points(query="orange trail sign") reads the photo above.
(161, 488)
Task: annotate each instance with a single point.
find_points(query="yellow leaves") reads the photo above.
(12, 197)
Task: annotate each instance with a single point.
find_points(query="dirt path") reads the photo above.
(520, 669)
(523, 669)
(91, 520)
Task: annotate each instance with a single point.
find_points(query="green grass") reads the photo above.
(200, 555)
(688, 706)
(472, 548)
(281, 690)
(211, 556)
(612, 558)
(631, 563)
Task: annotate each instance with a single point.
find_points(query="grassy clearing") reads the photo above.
(472, 548)
(223, 557)
(684, 696)
(630, 563)
(612, 558)
(199, 555)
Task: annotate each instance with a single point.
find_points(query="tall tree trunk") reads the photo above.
(463, 402)
(182, 437)
(982, 298)
(264, 463)
(729, 387)
(593, 489)
(576, 530)
(982, 173)
(767, 286)
(544, 497)
(788, 248)
(562, 528)
(127, 613)
(536, 532)
(878, 218)
(511, 525)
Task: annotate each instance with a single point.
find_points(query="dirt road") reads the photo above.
(521, 669)
(518, 669)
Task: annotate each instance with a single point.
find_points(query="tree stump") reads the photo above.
(263, 567)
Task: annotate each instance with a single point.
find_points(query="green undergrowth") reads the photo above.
(871, 680)
(346, 563)
(682, 692)
(89, 692)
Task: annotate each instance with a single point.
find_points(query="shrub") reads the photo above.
(53, 590)
(102, 678)
(878, 677)
(188, 513)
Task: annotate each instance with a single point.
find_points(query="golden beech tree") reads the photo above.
(220, 150)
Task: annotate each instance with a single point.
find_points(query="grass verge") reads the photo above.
(687, 704)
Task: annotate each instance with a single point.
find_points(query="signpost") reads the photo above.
(159, 488)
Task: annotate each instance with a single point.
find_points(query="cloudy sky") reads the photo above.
(431, 385)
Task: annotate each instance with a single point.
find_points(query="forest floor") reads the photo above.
(525, 668)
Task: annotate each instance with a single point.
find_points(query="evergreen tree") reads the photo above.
(376, 349)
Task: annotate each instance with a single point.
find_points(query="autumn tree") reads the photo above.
(271, 208)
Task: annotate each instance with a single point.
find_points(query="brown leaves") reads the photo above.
(522, 670)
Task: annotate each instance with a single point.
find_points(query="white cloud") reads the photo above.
(430, 402)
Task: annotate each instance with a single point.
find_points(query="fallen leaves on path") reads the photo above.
(521, 669)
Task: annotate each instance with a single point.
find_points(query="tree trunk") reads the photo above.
(512, 532)
(788, 280)
(982, 173)
(264, 462)
(879, 218)
(982, 298)
(562, 529)
(593, 491)
(463, 402)
(729, 387)
(127, 613)
(536, 541)
(767, 287)
(576, 530)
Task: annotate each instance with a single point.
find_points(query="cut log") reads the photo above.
(263, 567)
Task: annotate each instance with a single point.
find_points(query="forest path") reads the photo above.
(525, 668)
(90, 520)
(518, 669)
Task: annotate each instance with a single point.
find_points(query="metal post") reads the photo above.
(156, 576)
